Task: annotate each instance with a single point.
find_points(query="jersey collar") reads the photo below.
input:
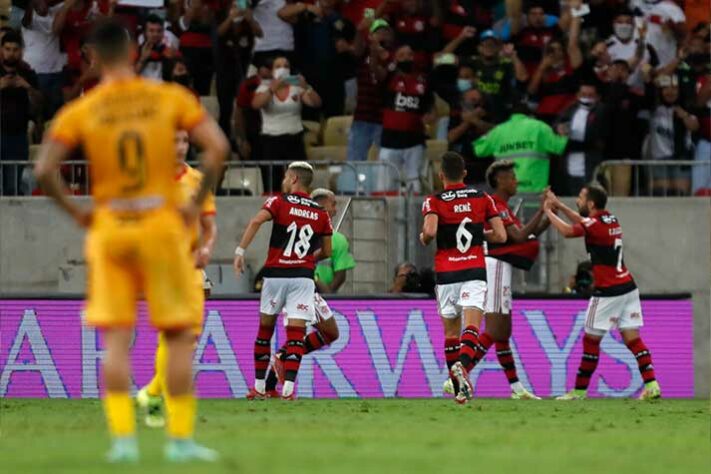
(455, 186)
(182, 172)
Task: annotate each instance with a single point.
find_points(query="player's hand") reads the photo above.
(190, 213)
(239, 265)
(82, 216)
(202, 257)
(6, 81)
(467, 32)
(302, 82)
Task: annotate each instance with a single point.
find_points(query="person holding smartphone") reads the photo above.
(280, 101)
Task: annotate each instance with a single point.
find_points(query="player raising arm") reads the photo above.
(299, 223)
(456, 217)
(136, 242)
(615, 302)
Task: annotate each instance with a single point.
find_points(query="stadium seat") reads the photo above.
(335, 132)
(211, 105)
(243, 181)
(327, 153)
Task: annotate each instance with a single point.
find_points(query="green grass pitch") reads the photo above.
(378, 436)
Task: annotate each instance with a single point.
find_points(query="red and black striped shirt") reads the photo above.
(407, 99)
(603, 240)
(369, 104)
(462, 212)
(299, 224)
(521, 255)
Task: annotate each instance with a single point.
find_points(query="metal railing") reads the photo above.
(240, 178)
(659, 178)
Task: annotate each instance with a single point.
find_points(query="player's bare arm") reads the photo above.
(326, 247)
(252, 228)
(429, 229)
(497, 234)
(556, 203)
(564, 228)
(208, 232)
(209, 137)
(47, 173)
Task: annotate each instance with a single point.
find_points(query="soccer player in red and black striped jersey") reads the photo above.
(519, 251)
(455, 218)
(615, 302)
(299, 224)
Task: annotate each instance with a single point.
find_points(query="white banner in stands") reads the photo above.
(142, 3)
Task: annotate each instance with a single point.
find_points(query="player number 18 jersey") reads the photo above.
(299, 223)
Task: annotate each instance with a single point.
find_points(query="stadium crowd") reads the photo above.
(558, 87)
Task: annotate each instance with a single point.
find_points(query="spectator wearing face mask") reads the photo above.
(666, 26)
(248, 121)
(367, 126)
(280, 101)
(498, 70)
(624, 104)
(586, 125)
(629, 43)
(555, 81)
(409, 103)
(414, 26)
(670, 129)
(176, 70)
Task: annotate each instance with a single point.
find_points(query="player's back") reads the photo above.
(462, 212)
(298, 225)
(126, 129)
(603, 240)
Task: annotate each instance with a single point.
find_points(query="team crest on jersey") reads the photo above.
(293, 199)
(420, 88)
(448, 195)
(419, 25)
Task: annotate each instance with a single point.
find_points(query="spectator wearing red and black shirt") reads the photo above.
(555, 81)
(408, 104)
(72, 25)
(415, 27)
(196, 23)
(367, 126)
(248, 121)
(532, 38)
(458, 14)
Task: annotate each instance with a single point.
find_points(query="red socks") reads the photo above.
(315, 341)
(588, 364)
(644, 359)
(505, 356)
(485, 342)
(294, 351)
(262, 351)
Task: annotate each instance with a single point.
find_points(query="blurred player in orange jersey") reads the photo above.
(202, 241)
(136, 243)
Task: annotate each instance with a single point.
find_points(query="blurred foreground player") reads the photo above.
(456, 218)
(202, 235)
(519, 251)
(615, 302)
(136, 242)
(299, 224)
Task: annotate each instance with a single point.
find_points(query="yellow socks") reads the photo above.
(120, 414)
(155, 387)
(181, 415)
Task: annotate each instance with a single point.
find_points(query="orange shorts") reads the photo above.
(146, 253)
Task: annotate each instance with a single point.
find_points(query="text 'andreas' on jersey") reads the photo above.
(299, 223)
